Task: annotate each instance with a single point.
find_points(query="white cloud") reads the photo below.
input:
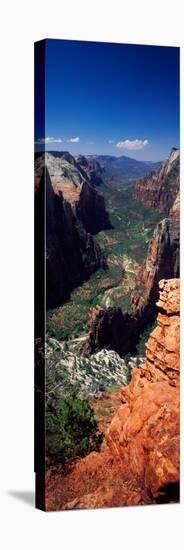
(132, 145)
(49, 140)
(74, 139)
(110, 141)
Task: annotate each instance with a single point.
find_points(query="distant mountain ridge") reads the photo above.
(99, 168)
(124, 168)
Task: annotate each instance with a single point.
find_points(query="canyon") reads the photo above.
(163, 250)
(162, 261)
(120, 169)
(74, 212)
(138, 462)
(73, 254)
(102, 250)
(119, 330)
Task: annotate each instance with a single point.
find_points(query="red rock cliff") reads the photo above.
(175, 209)
(139, 460)
(159, 190)
(145, 432)
(162, 262)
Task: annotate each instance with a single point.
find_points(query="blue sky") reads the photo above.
(112, 99)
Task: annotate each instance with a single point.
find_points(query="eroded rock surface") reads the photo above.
(162, 262)
(139, 461)
(74, 212)
(175, 208)
(92, 168)
(114, 329)
(76, 184)
(159, 190)
(145, 431)
(72, 254)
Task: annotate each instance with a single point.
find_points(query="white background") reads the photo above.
(145, 22)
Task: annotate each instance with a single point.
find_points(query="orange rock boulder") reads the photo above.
(144, 434)
(139, 459)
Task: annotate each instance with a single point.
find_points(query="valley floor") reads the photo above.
(125, 248)
(98, 479)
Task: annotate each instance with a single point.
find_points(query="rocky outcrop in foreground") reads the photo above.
(139, 461)
(145, 431)
(159, 190)
(69, 371)
(162, 348)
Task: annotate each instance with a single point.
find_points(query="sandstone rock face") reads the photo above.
(145, 432)
(175, 209)
(72, 254)
(92, 168)
(75, 183)
(162, 262)
(111, 328)
(159, 190)
(74, 211)
(139, 461)
(162, 348)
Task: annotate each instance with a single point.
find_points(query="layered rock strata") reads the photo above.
(139, 461)
(175, 208)
(145, 431)
(159, 190)
(72, 254)
(114, 329)
(162, 348)
(92, 168)
(162, 262)
(70, 179)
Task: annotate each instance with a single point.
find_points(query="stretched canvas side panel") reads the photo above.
(39, 235)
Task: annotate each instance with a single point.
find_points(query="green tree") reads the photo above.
(71, 430)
